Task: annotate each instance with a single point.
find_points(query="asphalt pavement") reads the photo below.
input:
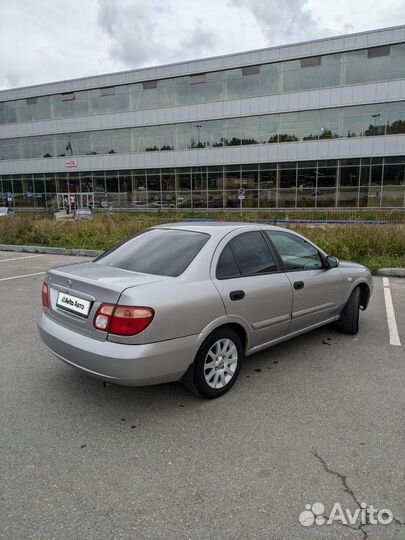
(318, 419)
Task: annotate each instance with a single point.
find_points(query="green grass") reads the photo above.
(393, 216)
(376, 246)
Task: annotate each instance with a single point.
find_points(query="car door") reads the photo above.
(251, 285)
(317, 291)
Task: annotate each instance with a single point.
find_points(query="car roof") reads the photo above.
(216, 228)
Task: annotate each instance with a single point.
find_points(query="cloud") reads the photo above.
(157, 31)
(286, 22)
(131, 27)
(43, 41)
(348, 16)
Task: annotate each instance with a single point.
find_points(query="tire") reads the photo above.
(349, 318)
(216, 365)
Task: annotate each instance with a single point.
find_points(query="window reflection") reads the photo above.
(393, 185)
(215, 199)
(307, 191)
(232, 177)
(354, 67)
(370, 185)
(215, 178)
(353, 121)
(168, 180)
(183, 199)
(367, 182)
(326, 187)
(183, 180)
(349, 186)
(199, 199)
(288, 188)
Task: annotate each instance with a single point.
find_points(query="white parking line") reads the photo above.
(20, 258)
(18, 277)
(389, 307)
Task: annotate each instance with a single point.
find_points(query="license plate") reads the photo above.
(73, 303)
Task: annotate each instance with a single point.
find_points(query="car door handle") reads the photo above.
(237, 295)
(298, 285)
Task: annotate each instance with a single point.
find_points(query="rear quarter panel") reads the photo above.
(182, 308)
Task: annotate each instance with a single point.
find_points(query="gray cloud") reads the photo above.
(201, 41)
(41, 42)
(131, 29)
(142, 33)
(284, 22)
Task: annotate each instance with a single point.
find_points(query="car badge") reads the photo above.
(69, 283)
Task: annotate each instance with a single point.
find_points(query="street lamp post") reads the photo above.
(198, 126)
(375, 116)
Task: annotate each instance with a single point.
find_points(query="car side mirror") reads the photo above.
(331, 262)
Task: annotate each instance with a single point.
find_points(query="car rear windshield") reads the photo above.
(164, 252)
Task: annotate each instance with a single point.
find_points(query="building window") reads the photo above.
(348, 183)
(109, 91)
(198, 79)
(311, 62)
(68, 96)
(250, 70)
(149, 85)
(375, 52)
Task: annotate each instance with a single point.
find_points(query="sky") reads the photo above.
(50, 40)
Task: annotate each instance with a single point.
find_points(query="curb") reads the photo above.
(391, 272)
(51, 250)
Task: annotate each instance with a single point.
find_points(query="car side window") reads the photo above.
(296, 253)
(227, 267)
(251, 254)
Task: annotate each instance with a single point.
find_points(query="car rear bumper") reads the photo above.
(132, 365)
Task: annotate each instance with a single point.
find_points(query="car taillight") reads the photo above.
(102, 320)
(123, 320)
(45, 295)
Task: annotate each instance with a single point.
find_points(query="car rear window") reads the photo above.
(164, 252)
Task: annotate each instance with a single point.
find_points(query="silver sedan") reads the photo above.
(189, 301)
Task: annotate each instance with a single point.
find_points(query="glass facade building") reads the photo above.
(319, 124)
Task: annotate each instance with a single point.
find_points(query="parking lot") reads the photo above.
(317, 419)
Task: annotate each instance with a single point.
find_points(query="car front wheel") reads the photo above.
(217, 364)
(349, 318)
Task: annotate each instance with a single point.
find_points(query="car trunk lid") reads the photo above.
(88, 285)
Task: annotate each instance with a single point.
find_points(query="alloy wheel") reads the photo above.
(220, 363)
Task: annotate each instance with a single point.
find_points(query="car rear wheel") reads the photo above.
(349, 318)
(217, 364)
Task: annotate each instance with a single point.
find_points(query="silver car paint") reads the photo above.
(266, 308)
(188, 308)
(133, 365)
(98, 284)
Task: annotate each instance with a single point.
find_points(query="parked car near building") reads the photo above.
(189, 301)
(162, 204)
